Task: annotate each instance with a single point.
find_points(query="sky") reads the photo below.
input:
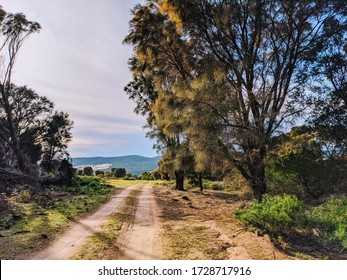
(79, 62)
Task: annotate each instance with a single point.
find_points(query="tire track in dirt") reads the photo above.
(141, 241)
(71, 241)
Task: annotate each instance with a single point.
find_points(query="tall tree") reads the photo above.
(234, 68)
(156, 42)
(14, 30)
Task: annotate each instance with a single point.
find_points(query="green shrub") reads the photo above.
(89, 186)
(208, 185)
(331, 219)
(275, 215)
(126, 177)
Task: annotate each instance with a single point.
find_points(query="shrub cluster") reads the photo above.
(331, 219)
(285, 215)
(276, 215)
(209, 185)
(89, 186)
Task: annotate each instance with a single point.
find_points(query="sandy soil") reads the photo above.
(140, 240)
(70, 242)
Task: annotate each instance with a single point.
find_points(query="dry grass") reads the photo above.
(201, 226)
(120, 183)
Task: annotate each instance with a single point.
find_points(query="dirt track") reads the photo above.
(140, 241)
(70, 242)
(166, 224)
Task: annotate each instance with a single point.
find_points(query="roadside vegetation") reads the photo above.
(289, 222)
(223, 86)
(30, 221)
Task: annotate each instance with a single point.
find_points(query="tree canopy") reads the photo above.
(228, 75)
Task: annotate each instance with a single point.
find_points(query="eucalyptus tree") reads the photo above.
(14, 30)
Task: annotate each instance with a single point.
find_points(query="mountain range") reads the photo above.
(133, 163)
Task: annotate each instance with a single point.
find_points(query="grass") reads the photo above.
(189, 242)
(286, 216)
(120, 183)
(330, 219)
(42, 217)
(103, 244)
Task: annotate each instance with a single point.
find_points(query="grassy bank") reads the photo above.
(29, 222)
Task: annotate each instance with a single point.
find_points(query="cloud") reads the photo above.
(79, 62)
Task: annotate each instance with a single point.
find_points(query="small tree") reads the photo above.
(88, 171)
(56, 136)
(118, 172)
(99, 172)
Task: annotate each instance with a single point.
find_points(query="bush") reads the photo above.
(212, 186)
(331, 219)
(275, 215)
(88, 171)
(89, 186)
(145, 175)
(127, 177)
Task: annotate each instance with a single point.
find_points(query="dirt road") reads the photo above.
(203, 223)
(140, 241)
(69, 243)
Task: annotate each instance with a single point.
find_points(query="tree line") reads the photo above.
(223, 83)
(119, 172)
(33, 135)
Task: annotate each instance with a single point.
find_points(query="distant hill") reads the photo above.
(133, 164)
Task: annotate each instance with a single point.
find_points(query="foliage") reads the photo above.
(234, 181)
(99, 172)
(88, 171)
(30, 130)
(89, 186)
(331, 219)
(298, 164)
(129, 177)
(145, 176)
(285, 215)
(56, 135)
(213, 186)
(46, 214)
(330, 100)
(14, 29)
(215, 75)
(276, 215)
(118, 172)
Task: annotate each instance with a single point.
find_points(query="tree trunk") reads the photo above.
(258, 182)
(259, 189)
(14, 141)
(199, 176)
(257, 178)
(179, 180)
